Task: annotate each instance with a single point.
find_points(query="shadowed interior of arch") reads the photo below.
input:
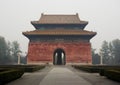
(59, 57)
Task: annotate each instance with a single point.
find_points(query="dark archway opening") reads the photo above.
(59, 57)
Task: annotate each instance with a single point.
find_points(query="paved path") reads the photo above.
(62, 75)
(31, 78)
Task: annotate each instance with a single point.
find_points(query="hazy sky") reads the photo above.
(103, 17)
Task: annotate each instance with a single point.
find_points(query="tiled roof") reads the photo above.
(59, 32)
(59, 19)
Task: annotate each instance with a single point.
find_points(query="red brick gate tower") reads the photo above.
(59, 39)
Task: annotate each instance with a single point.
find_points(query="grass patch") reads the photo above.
(87, 68)
(11, 72)
(111, 72)
(33, 68)
(27, 68)
(10, 75)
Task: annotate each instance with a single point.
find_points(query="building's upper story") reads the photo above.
(59, 26)
(59, 22)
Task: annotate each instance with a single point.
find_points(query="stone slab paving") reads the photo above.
(62, 75)
(94, 78)
(31, 78)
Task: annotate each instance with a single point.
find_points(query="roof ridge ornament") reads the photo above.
(76, 14)
(42, 14)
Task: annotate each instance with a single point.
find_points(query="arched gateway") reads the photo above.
(59, 40)
(59, 57)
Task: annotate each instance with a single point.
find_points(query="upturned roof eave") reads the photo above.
(38, 23)
(67, 34)
(29, 35)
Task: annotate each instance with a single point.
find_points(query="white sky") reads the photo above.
(103, 17)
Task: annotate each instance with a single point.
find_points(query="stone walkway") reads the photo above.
(62, 75)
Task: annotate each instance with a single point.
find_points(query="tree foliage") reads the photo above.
(95, 57)
(110, 52)
(3, 50)
(8, 51)
(104, 52)
(15, 50)
(116, 51)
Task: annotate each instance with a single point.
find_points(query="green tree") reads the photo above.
(116, 51)
(104, 51)
(15, 49)
(111, 57)
(8, 51)
(111, 52)
(95, 57)
(3, 51)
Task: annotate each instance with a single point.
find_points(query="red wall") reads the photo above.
(75, 52)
